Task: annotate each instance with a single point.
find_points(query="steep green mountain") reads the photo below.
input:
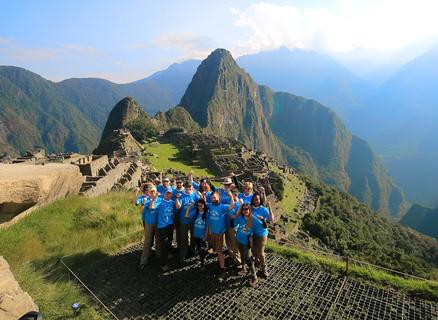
(224, 100)
(353, 229)
(422, 219)
(32, 113)
(309, 74)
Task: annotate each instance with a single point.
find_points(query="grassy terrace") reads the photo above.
(169, 156)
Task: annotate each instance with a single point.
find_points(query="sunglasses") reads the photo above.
(245, 209)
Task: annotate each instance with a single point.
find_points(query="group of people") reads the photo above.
(204, 217)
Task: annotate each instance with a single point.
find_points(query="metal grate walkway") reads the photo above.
(293, 291)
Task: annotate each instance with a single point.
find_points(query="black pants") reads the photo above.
(165, 235)
(245, 250)
(201, 249)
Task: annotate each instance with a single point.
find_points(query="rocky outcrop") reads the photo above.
(14, 302)
(25, 187)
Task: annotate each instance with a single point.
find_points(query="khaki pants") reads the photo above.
(218, 242)
(259, 244)
(183, 240)
(150, 232)
(230, 240)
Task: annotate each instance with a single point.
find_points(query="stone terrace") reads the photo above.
(294, 291)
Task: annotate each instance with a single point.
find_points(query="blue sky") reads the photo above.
(128, 40)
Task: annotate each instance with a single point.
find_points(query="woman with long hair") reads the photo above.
(262, 215)
(200, 231)
(243, 223)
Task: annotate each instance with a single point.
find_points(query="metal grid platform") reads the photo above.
(293, 291)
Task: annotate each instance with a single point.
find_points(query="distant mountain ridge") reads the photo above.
(309, 74)
(225, 100)
(69, 115)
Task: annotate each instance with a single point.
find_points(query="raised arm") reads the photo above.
(271, 212)
(187, 214)
(177, 203)
(152, 203)
(232, 200)
(234, 216)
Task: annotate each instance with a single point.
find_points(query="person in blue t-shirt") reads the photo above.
(247, 193)
(216, 225)
(139, 200)
(230, 235)
(149, 217)
(260, 230)
(200, 231)
(206, 188)
(243, 222)
(178, 189)
(166, 210)
(186, 201)
(164, 186)
(225, 192)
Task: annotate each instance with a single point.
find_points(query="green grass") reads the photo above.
(83, 228)
(294, 189)
(424, 289)
(74, 226)
(170, 156)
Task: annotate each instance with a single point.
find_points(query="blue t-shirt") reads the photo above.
(258, 229)
(242, 232)
(162, 190)
(185, 200)
(208, 196)
(175, 192)
(150, 216)
(246, 198)
(139, 201)
(165, 213)
(200, 226)
(217, 217)
(195, 185)
(231, 213)
(224, 196)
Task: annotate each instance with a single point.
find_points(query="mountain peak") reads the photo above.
(125, 111)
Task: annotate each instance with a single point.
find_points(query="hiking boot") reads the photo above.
(253, 282)
(265, 274)
(141, 266)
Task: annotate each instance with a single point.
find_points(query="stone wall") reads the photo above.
(91, 165)
(14, 302)
(119, 175)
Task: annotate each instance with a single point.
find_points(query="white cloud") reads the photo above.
(350, 25)
(191, 45)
